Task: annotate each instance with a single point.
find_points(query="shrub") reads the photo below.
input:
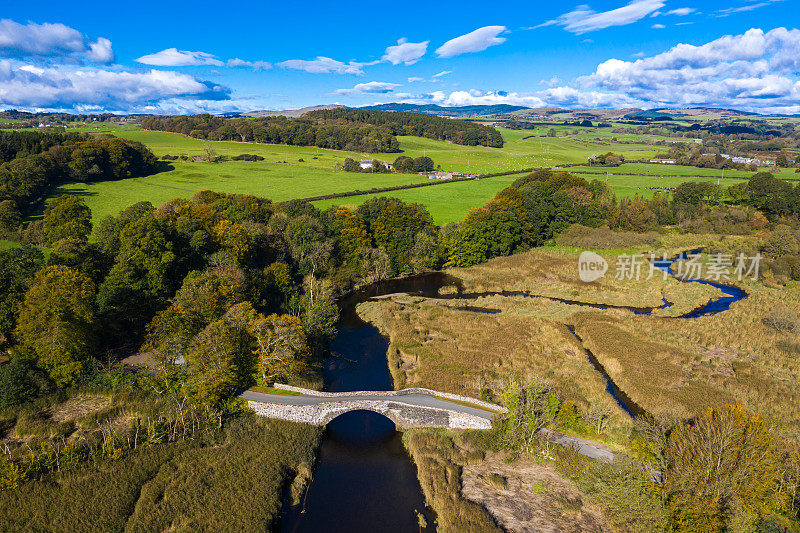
(603, 237)
(708, 481)
(782, 320)
(248, 157)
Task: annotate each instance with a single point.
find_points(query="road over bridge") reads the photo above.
(407, 408)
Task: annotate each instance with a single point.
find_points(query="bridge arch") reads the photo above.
(403, 415)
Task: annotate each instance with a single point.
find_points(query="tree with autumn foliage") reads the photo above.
(720, 465)
(232, 237)
(353, 236)
(203, 298)
(220, 355)
(281, 348)
(394, 225)
(56, 325)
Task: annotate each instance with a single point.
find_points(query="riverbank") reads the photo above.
(204, 483)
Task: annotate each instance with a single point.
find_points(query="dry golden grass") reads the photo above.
(660, 378)
(671, 366)
(553, 272)
(532, 497)
(439, 463)
(436, 346)
(681, 366)
(79, 406)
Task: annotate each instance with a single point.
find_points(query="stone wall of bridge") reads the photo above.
(403, 415)
(402, 392)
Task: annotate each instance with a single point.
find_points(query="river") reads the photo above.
(364, 479)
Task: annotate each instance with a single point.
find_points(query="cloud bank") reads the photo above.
(82, 88)
(172, 57)
(51, 40)
(372, 87)
(323, 65)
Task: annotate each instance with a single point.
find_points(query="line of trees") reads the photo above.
(402, 164)
(304, 131)
(416, 124)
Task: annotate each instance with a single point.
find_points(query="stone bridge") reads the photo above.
(407, 408)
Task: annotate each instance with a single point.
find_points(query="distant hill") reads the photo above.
(655, 114)
(291, 113)
(460, 111)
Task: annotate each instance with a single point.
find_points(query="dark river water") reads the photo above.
(364, 480)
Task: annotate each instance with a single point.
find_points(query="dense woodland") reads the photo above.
(31, 163)
(417, 124)
(302, 131)
(339, 129)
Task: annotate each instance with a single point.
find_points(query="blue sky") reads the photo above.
(179, 57)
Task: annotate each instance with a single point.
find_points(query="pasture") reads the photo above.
(447, 202)
(289, 172)
(277, 182)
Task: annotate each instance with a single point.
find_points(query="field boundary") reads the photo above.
(659, 175)
(378, 190)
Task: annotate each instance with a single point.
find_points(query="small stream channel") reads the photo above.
(364, 479)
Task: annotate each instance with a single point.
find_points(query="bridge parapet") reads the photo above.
(402, 392)
(403, 415)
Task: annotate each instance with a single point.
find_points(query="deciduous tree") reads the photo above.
(57, 322)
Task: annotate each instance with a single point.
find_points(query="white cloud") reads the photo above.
(749, 7)
(443, 73)
(78, 88)
(172, 57)
(371, 87)
(405, 52)
(681, 11)
(255, 65)
(552, 82)
(583, 19)
(48, 40)
(323, 65)
(475, 41)
(100, 51)
(415, 79)
(658, 26)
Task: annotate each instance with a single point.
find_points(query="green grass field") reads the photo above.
(283, 176)
(646, 186)
(677, 170)
(277, 182)
(447, 202)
